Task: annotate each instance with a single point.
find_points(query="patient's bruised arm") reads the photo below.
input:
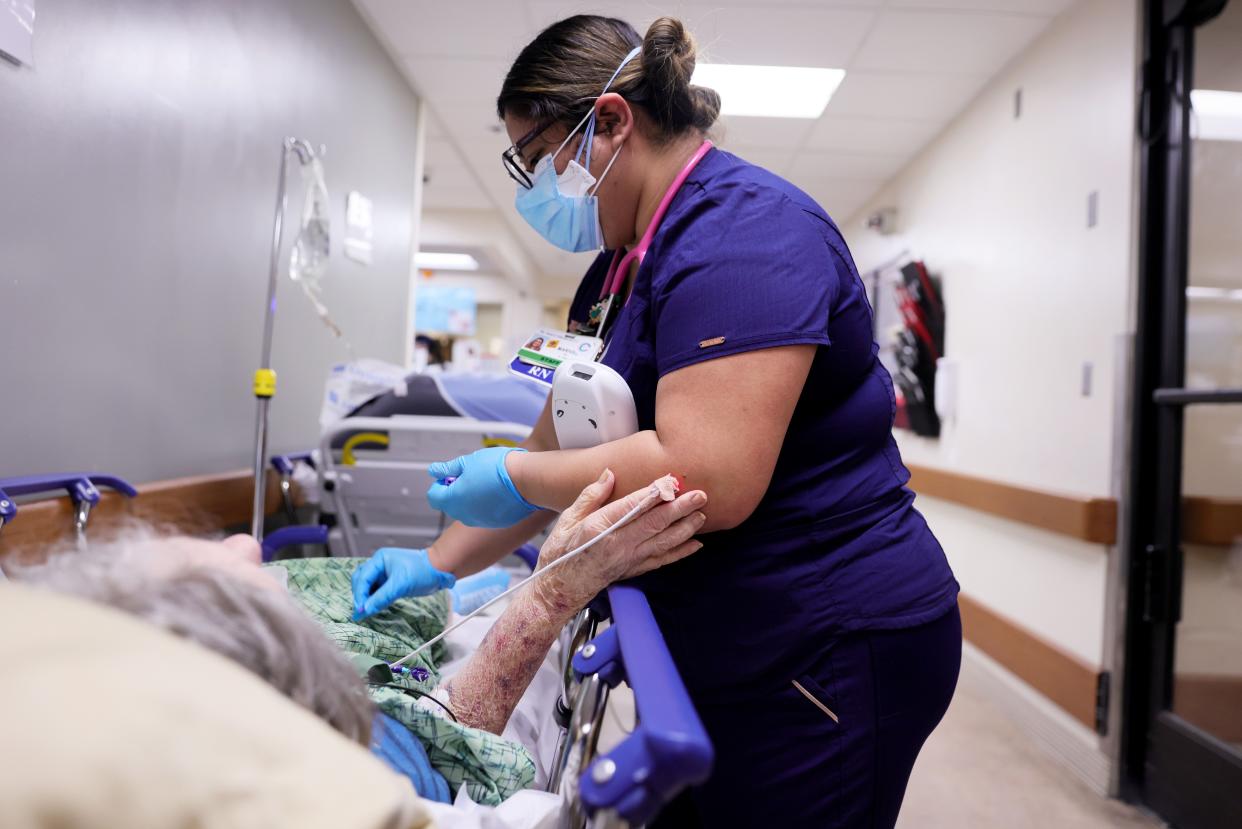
(485, 691)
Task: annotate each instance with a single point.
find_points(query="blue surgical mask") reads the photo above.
(564, 208)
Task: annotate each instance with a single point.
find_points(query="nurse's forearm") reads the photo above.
(553, 479)
(485, 691)
(463, 550)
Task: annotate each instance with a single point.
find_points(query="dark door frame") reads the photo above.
(1186, 775)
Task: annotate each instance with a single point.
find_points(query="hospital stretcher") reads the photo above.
(667, 751)
(372, 475)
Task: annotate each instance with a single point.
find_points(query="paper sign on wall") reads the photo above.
(358, 229)
(17, 19)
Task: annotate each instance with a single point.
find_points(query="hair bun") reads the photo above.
(669, 54)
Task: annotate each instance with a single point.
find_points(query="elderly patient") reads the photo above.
(215, 594)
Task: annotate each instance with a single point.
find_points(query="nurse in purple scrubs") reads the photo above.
(817, 630)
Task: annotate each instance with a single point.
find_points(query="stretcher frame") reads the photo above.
(667, 751)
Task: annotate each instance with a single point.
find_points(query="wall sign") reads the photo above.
(358, 228)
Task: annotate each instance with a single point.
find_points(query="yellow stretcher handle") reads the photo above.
(347, 451)
(490, 442)
(264, 383)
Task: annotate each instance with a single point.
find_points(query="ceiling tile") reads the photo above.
(871, 136)
(457, 81)
(810, 165)
(435, 130)
(1039, 8)
(476, 125)
(638, 13)
(437, 197)
(840, 198)
(773, 159)
(903, 95)
(798, 3)
(435, 28)
(945, 42)
(775, 33)
(450, 180)
(786, 133)
(456, 56)
(781, 35)
(443, 165)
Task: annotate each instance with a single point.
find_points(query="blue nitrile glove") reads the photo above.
(393, 743)
(391, 574)
(473, 592)
(481, 493)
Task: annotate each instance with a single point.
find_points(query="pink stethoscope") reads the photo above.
(620, 267)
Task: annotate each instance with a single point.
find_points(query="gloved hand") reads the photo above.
(483, 494)
(391, 574)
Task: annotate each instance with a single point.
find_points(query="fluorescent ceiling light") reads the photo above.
(426, 260)
(770, 91)
(1218, 113)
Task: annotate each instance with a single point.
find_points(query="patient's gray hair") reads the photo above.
(259, 629)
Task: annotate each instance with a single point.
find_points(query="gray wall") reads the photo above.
(138, 163)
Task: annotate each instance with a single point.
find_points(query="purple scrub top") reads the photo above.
(742, 261)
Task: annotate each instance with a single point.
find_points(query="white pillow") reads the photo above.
(106, 722)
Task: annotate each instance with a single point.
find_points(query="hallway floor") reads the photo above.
(979, 770)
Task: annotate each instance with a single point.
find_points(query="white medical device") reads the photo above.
(591, 404)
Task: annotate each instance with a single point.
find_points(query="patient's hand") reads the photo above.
(485, 691)
(660, 534)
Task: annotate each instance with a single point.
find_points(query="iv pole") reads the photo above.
(264, 377)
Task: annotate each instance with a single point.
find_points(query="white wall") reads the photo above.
(138, 169)
(997, 207)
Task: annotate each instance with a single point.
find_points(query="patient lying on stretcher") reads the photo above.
(216, 594)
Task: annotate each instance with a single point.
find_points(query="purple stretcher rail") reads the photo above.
(284, 463)
(296, 534)
(669, 749)
(81, 486)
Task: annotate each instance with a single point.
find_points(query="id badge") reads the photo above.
(547, 348)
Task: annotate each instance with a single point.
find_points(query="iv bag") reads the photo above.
(309, 260)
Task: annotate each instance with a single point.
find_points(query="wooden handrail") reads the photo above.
(1086, 518)
(1062, 677)
(1209, 521)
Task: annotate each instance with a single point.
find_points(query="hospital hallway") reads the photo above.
(739, 362)
(980, 769)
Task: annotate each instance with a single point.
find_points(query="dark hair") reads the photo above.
(557, 77)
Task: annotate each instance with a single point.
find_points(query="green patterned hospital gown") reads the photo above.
(491, 767)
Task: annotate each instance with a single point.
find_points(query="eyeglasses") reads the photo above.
(512, 157)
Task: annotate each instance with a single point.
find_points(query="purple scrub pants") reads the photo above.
(782, 760)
